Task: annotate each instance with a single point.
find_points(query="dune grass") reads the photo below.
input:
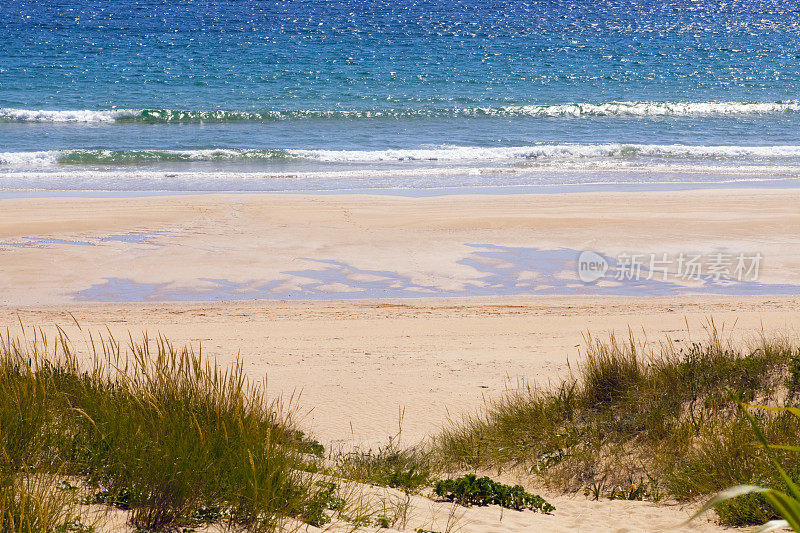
(392, 465)
(645, 424)
(30, 500)
(786, 504)
(176, 442)
(148, 428)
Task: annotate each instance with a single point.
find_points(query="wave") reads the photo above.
(536, 154)
(549, 151)
(577, 110)
(136, 157)
(76, 115)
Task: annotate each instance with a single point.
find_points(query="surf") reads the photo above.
(566, 110)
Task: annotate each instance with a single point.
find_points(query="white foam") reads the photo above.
(546, 151)
(574, 109)
(74, 115)
(30, 159)
(645, 109)
(385, 178)
(554, 154)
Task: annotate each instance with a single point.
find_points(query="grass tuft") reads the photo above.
(609, 372)
(150, 429)
(389, 466)
(640, 423)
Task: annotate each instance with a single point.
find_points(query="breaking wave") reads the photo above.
(543, 153)
(577, 110)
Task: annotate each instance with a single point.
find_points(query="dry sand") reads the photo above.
(358, 363)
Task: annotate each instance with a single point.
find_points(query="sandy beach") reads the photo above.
(237, 247)
(355, 364)
(301, 279)
(434, 266)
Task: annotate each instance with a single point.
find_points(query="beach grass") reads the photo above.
(785, 503)
(30, 499)
(392, 465)
(170, 441)
(151, 429)
(175, 442)
(645, 423)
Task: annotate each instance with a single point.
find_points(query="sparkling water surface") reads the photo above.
(317, 95)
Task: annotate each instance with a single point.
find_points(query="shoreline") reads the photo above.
(425, 192)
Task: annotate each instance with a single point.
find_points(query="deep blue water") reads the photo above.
(316, 94)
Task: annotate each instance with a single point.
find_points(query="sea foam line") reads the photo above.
(196, 182)
(547, 151)
(607, 109)
(444, 154)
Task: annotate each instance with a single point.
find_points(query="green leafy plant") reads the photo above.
(324, 498)
(471, 490)
(595, 489)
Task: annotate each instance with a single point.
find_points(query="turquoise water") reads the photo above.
(323, 95)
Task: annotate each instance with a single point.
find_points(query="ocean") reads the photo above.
(318, 95)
